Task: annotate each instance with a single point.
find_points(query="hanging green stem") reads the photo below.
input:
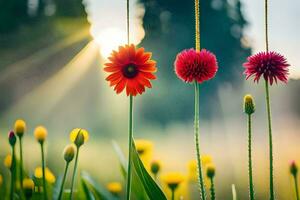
(21, 162)
(197, 144)
(251, 187)
(74, 172)
(296, 186)
(130, 143)
(13, 173)
(212, 189)
(63, 181)
(272, 195)
(43, 171)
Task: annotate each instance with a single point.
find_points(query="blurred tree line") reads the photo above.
(15, 13)
(169, 28)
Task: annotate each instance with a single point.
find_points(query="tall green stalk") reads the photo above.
(63, 181)
(130, 143)
(13, 173)
(296, 186)
(251, 188)
(272, 194)
(43, 171)
(212, 189)
(197, 144)
(74, 172)
(172, 194)
(21, 162)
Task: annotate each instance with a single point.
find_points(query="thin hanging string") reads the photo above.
(128, 41)
(197, 24)
(266, 26)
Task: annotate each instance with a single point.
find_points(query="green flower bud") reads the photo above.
(249, 106)
(293, 168)
(12, 138)
(210, 170)
(155, 167)
(69, 153)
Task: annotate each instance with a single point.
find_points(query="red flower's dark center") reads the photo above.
(130, 71)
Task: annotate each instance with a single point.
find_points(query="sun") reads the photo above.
(110, 39)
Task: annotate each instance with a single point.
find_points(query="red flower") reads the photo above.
(191, 65)
(131, 68)
(270, 65)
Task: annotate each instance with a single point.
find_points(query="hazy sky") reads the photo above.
(108, 19)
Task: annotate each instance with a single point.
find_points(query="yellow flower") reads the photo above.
(114, 188)
(38, 173)
(79, 136)
(192, 166)
(28, 183)
(143, 146)
(8, 161)
(173, 179)
(20, 127)
(40, 133)
(28, 186)
(1, 180)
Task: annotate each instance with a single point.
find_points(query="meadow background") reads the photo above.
(51, 58)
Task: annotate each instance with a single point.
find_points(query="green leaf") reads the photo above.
(152, 189)
(96, 190)
(88, 194)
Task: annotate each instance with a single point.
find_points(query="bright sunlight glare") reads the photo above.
(110, 39)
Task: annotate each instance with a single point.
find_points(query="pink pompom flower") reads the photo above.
(271, 65)
(191, 65)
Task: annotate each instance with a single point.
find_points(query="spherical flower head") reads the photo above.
(114, 187)
(28, 186)
(49, 176)
(293, 168)
(12, 138)
(69, 153)
(130, 68)
(8, 161)
(271, 65)
(210, 170)
(191, 65)
(40, 134)
(249, 106)
(20, 127)
(173, 179)
(79, 136)
(143, 146)
(155, 167)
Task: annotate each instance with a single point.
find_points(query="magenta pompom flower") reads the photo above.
(271, 65)
(191, 65)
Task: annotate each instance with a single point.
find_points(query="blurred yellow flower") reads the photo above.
(38, 173)
(20, 127)
(28, 184)
(79, 136)
(1, 180)
(8, 161)
(40, 133)
(143, 146)
(192, 166)
(173, 179)
(114, 187)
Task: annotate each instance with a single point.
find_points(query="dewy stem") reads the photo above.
(63, 181)
(197, 144)
(272, 195)
(21, 162)
(43, 171)
(74, 172)
(212, 189)
(13, 173)
(130, 141)
(251, 188)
